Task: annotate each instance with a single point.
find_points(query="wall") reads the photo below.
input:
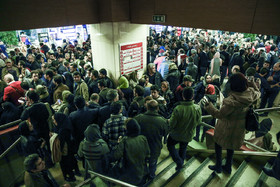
(106, 38)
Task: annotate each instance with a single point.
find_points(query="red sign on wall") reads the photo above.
(131, 57)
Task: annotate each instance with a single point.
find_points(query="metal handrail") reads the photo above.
(10, 124)
(9, 148)
(256, 110)
(246, 142)
(104, 177)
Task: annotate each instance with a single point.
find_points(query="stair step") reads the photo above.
(237, 174)
(249, 176)
(271, 182)
(262, 177)
(202, 176)
(221, 179)
(184, 174)
(195, 173)
(189, 162)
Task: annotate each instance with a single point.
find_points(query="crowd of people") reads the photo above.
(71, 111)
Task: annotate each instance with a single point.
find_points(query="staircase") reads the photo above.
(246, 170)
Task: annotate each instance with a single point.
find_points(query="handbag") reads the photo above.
(252, 120)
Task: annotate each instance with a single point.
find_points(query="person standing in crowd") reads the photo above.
(59, 88)
(94, 149)
(63, 129)
(187, 82)
(80, 87)
(230, 127)
(13, 91)
(93, 82)
(9, 69)
(225, 63)
(173, 76)
(38, 114)
(184, 119)
(155, 77)
(154, 127)
(81, 119)
(35, 79)
(215, 65)
(134, 148)
(114, 126)
(103, 76)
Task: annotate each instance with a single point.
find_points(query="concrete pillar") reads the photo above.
(105, 40)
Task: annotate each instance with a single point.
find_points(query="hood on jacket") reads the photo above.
(92, 133)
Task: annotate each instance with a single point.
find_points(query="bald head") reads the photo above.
(152, 105)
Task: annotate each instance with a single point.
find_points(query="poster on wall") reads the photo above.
(131, 57)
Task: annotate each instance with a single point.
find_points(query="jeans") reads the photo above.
(178, 158)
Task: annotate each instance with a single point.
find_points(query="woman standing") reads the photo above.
(216, 62)
(230, 127)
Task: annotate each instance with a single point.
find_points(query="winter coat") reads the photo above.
(154, 127)
(135, 150)
(82, 90)
(173, 78)
(230, 127)
(58, 92)
(184, 119)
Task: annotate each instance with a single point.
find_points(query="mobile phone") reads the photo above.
(59, 101)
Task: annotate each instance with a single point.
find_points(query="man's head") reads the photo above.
(77, 76)
(187, 80)
(94, 74)
(8, 78)
(116, 107)
(102, 73)
(112, 95)
(73, 67)
(57, 80)
(94, 97)
(35, 75)
(101, 84)
(33, 163)
(266, 65)
(9, 63)
(49, 74)
(276, 66)
(79, 102)
(152, 105)
(31, 58)
(155, 91)
(187, 93)
(32, 96)
(139, 91)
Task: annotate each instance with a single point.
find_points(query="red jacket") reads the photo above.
(13, 92)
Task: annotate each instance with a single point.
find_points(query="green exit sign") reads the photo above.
(159, 18)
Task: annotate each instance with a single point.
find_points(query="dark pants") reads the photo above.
(229, 159)
(269, 97)
(67, 165)
(178, 158)
(223, 73)
(153, 166)
(202, 72)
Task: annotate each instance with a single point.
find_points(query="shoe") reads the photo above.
(196, 139)
(226, 170)
(268, 171)
(214, 168)
(78, 173)
(70, 179)
(178, 168)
